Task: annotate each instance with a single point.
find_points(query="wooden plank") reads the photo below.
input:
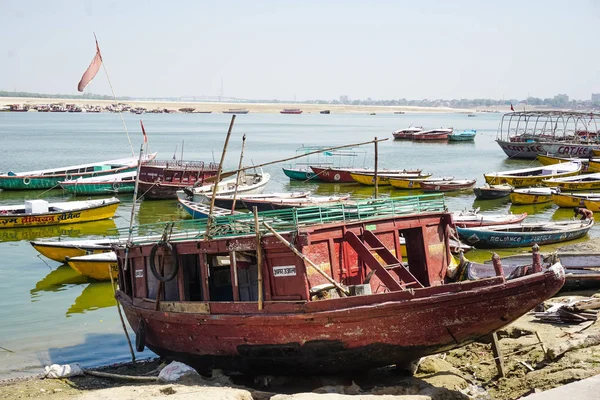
(497, 355)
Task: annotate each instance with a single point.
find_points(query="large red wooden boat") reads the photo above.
(161, 179)
(205, 302)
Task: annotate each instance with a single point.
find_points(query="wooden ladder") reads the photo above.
(404, 277)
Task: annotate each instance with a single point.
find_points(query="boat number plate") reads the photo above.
(139, 273)
(287, 270)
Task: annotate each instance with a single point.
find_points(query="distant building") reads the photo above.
(595, 97)
(344, 99)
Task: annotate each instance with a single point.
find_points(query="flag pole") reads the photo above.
(115, 97)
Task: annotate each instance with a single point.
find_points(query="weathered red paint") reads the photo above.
(294, 332)
(161, 179)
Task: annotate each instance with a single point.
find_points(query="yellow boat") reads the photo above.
(368, 178)
(579, 182)
(61, 250)
(41, 213)
(531, 195)
(593, 165)
(414, 183)
(551, 160)
(592, 204)
(570, 200)
(96, 266)
(533, 176)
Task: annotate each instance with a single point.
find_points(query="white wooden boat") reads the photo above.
(249, 183)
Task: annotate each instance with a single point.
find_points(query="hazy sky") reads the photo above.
(305, 49)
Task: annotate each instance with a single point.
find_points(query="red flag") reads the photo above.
(512, 108)
(144, 132)
(92, 70)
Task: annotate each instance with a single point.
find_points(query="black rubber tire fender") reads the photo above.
(173, 250)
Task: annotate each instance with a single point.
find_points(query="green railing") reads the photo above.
(290, 219)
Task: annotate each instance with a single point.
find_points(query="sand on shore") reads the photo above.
(218, 107)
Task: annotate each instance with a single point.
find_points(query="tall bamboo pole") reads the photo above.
(258, 259)
(218, 178)
(237, 180)
(376, 166)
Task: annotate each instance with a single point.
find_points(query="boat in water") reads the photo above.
(406, 133)
(291, 111)
(533, 195)
(472, 218)
(123, 182)
(464, 136)
(282, 203)
(492, 192)
(236, 111)
(524, 234)
(447, 186)
(430, 135)
(161, 179)
(247, 300)
(41, 212)
(533, 176)
(526, 134)
(578, 182)
(101, 266)
(50, 178)
(248, 183)
(386, 176)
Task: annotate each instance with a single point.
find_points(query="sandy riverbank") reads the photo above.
(265, 108)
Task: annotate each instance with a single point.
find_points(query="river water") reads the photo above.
(49, 314)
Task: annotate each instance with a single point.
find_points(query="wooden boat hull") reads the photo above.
(47, 182)
(592, 204)
(525, 181)
(377, 333)
(530, 198)
(446, 187)
(483, 193)
(530, 150)
(98, 188)
(546, 159)
(98, 270)
(484, 220)
(159, 190)
(584, 182)
(382, 180)
(99, 212)
(333, 175)
(56, 251)
(488, 239)
(300, 175)
(568, 200)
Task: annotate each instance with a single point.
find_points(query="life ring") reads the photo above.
(116, 185)
(173, 250)
(26, 180)
(336, 177)
(69, 177)
(94, 174)
(140, 336)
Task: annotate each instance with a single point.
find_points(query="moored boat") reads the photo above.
(40, 212)
(414, 183)
(472, 218)
(282, 203)
(49, 178)
(384, 178)
(202, 211)
(578, 182)
(440, 134)
(291, 111)
(547, 159)
(526, 134)
(161, 179)
(226, 201)
(535, 195)
(236, 111)
(216, 310)
(59, 250)
(249, 183)
(406, 133)
(101, 266)
(533, 176)
(524, 234)
(571, 200)
(447, 186)
(123, 182)
(492, 192)
(343, 175)
(464, 136)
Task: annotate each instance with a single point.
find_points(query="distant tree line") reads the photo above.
(87, 96)
(558, 101)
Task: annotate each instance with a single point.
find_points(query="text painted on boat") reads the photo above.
(288, 270)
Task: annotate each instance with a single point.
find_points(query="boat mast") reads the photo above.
(237, 179)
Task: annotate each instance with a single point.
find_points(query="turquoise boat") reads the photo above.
(50, 178)
(524, 234)
(123, 182)
(300, 174)
(464, 136)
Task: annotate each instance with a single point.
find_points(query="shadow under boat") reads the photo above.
(57, 279)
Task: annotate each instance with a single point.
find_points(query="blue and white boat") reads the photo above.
(464, 136)
(524, 234)
(200, 210)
